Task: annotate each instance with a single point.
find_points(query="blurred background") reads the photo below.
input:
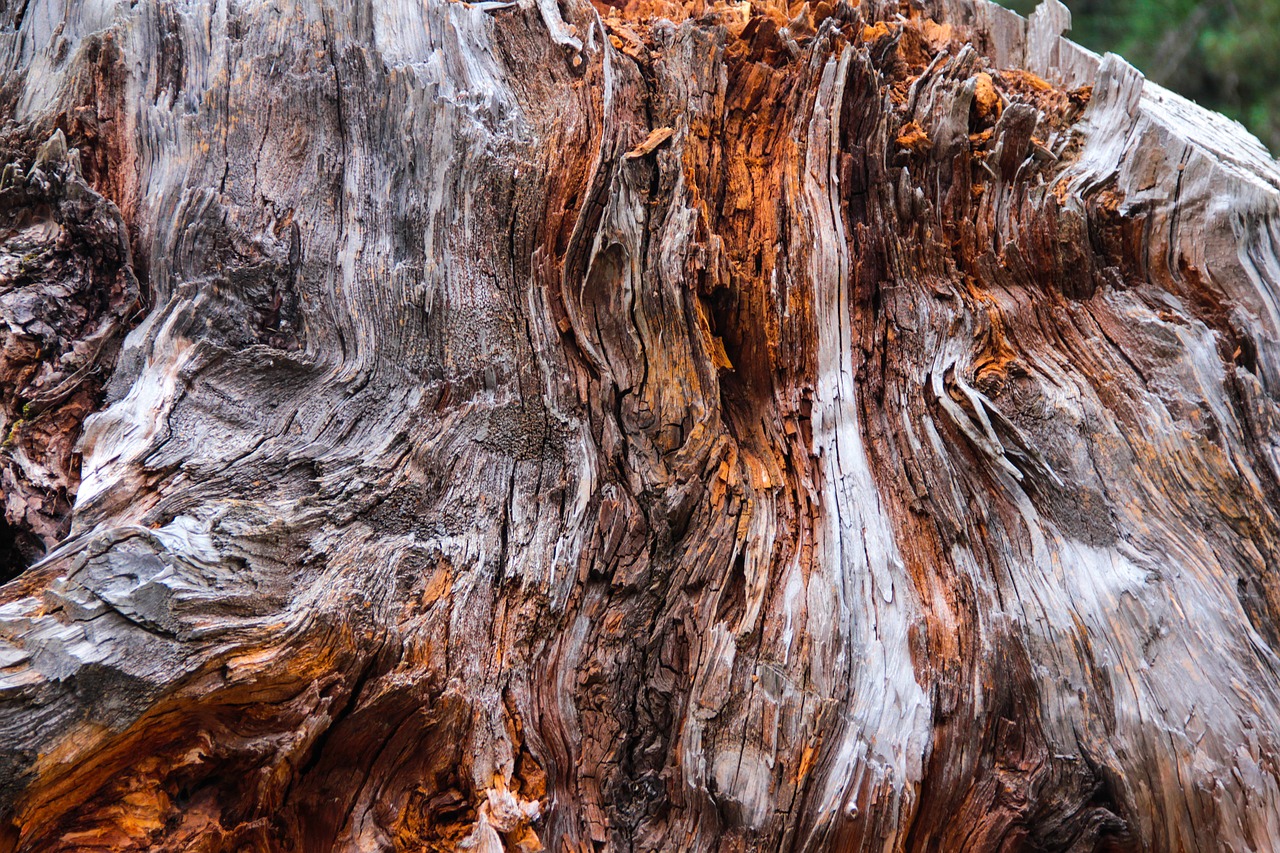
(1223, 54)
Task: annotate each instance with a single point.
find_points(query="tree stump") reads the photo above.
(660, 426)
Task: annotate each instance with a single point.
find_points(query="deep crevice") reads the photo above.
(19, 550)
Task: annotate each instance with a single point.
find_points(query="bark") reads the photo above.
(656, 427)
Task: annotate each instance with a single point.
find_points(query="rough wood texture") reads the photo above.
(66, 294)
(657, 427)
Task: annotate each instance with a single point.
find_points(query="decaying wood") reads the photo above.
(68, 292)
(664, 426)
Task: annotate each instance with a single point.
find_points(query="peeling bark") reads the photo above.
(659, 427)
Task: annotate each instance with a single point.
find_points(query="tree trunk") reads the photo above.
(435, 425)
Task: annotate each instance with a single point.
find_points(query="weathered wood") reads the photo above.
(68, 292)
(659, 427)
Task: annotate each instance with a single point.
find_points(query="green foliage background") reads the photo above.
(1224, 54)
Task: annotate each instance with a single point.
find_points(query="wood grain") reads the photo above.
(648, 425)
